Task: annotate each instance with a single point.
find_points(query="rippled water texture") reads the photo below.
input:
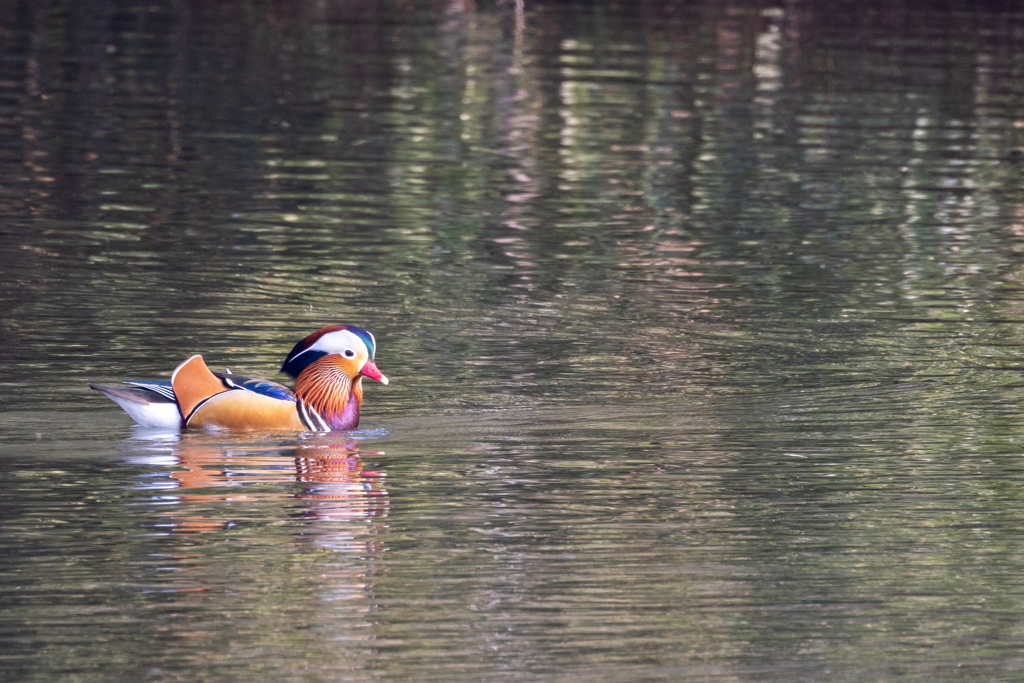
(704, 324)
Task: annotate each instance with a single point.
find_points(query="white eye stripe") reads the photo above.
(341, 342)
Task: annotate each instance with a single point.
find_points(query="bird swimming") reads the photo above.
(328, 367)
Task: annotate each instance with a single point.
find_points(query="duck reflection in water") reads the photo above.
(322, 481)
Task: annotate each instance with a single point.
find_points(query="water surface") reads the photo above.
(703, 324)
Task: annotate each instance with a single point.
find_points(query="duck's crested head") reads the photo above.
(354, 346)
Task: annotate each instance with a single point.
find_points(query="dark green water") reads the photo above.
(704, 324)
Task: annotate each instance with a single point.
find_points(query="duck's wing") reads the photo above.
(260, 386)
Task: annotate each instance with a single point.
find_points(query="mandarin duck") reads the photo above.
(328, 367)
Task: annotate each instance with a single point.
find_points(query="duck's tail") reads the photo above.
(148, 408)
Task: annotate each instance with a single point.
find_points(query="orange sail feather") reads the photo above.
(193, 383)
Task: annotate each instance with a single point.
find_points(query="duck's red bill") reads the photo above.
(370, 370)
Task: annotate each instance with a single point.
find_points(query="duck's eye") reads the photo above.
(349, 353)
